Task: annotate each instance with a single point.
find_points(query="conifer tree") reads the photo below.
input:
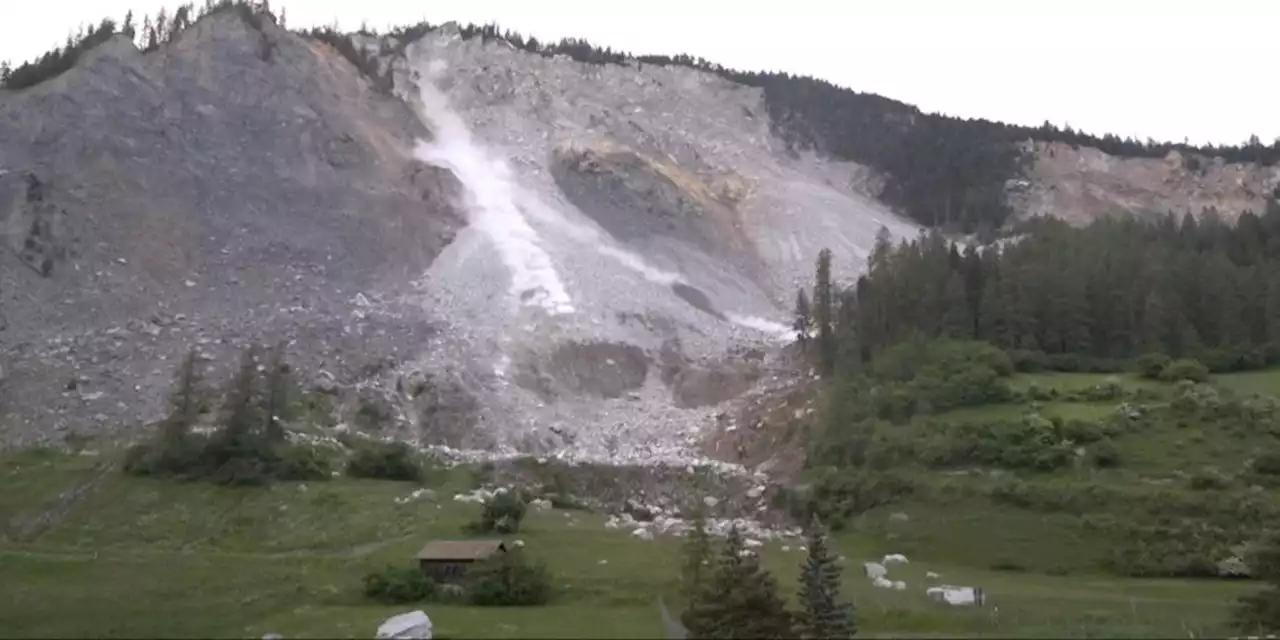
(699, 559)
(740, 600)
(240, 409)
(824, 313)
(184, 400)
(803, 321)
(276, 398)
(824, 613)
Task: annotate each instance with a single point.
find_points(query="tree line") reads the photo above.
(1066, 298)
(939, 170)
(147, 36)
(728, 594)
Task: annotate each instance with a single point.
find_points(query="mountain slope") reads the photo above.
(573, 258)
(239, 183)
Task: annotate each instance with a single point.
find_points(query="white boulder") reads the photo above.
(894, 558)
(414, 624)
(874, 570)
(957, 596)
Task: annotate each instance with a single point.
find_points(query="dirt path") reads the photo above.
(31, 529)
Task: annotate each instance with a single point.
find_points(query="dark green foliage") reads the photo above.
(824, 613)
(1267, 464)
(1259, 613)
(1089, 299)
(366, 62)
(1105, 454)
(803, 317)
(698, 562)
(247, 449)
(398, 585)
(1152, 365)
(1185, 369)
(824, 313)
(509, 580)
(502, 513)
(385, 461)
(740, 600)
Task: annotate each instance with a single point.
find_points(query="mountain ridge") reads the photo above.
(964, 187)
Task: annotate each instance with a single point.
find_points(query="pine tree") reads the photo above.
(1259, 613)
(824, 312)
(276, 399)
(824, 614)
(740, 600)
(699, 563)
(803, 321)
(184, 400)
(240, 409)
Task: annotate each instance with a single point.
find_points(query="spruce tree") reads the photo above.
(824, 613)
(276, 398)
(740, 600)
(698, 560)
(1259, 613)
(803, 317)
(824, 313)
(240, 414)
(184, 400)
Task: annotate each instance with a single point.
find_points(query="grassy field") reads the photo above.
(135, 557)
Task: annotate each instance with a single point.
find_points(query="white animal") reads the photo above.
(900, 585)
(894, 558)
(882, 583)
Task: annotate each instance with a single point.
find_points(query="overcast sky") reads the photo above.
(1165, 69)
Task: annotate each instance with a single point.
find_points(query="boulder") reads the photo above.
(414, 624)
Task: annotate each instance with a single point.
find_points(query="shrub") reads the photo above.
(302, 463)
(1028, 361)
(1185, 369)
(385, 461)
(1267, 464)
(1151, 365)
(502, 514)
(1105, 454)
(399, 585)
(508, 579)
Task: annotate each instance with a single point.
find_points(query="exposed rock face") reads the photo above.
(645, 223)
(1081, 184)
(514, 251)
(199, 194)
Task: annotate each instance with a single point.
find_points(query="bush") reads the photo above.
(1105, 454)
(399, 585)
(302, 463)
(1028, 361)
(1185, 369)
(385, 461)
(1267, 464)
(508, 579)
(502, 514)
(1152, 365)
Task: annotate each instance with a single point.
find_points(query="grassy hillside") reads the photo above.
(141, 557)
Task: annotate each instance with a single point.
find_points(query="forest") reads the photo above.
(1072, 299)
(939, 170)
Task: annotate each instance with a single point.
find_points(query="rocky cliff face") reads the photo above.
(238, 184)
(1080, 184)
(570, 258)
